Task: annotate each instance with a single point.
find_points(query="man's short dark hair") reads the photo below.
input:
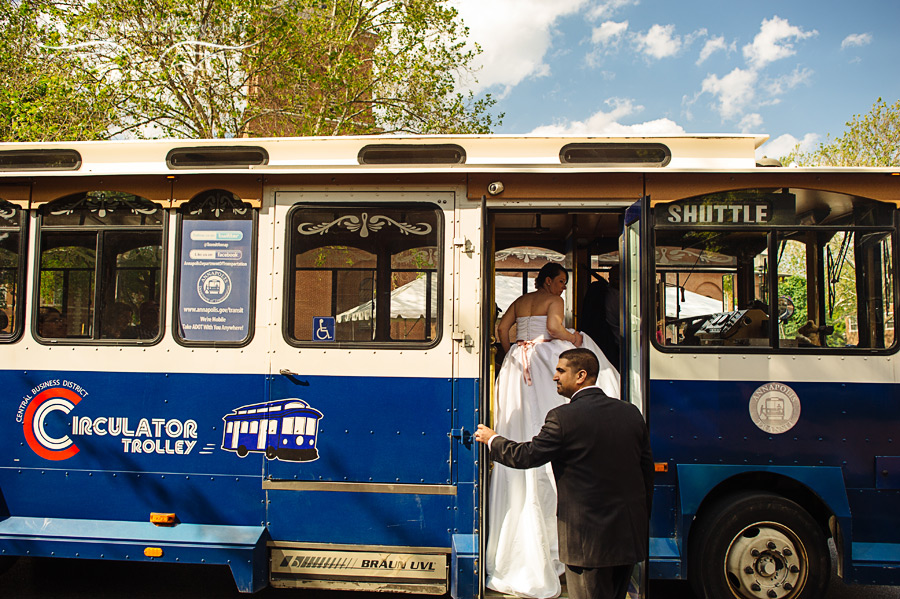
(582, 359)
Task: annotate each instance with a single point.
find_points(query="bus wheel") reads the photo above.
(242, 451)
(270, 452)
(758, 546)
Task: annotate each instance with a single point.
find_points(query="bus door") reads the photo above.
(635, 329)
(360, 418)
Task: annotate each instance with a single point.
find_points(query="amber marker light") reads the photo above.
(160, 519)
(153, 551)
(661, 466)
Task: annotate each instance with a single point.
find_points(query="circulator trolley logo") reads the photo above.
(774, 408)
(34, 413)
(160, 436)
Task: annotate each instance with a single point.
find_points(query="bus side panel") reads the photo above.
(118, 446)
(707, 422)
(359, 518)
(372, 430)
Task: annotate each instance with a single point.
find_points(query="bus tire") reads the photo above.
(242, 451)
(758, 546)
(270, 452)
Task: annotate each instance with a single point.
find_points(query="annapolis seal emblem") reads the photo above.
(774, 408)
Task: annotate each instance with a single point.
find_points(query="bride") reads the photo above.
(522, 548)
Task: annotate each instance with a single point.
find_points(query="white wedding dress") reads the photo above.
(522, 547)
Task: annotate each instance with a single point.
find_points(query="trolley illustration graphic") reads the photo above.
(283, 429)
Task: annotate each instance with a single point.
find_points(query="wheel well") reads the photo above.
(777, 484)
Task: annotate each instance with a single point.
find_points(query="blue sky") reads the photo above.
(795, 70)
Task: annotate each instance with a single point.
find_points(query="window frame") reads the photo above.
(18, 322)
(773, 232)
(290, 270)
(97, 229)
(176, 291)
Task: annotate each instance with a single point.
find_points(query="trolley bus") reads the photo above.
(271, 354)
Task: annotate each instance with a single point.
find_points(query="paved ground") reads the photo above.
(33, 578)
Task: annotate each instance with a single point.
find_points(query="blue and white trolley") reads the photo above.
(279, 348)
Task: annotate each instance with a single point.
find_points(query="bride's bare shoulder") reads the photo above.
(525, 304)
(543, 302)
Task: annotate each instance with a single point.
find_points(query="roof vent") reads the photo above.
(616, 154)
(765, 161)
(412, 154)
(217, 157)
(39, 160)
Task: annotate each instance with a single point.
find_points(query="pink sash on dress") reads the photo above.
(527, 345)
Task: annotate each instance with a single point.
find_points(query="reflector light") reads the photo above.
(661, 466)
(153, 551)
(162, 519)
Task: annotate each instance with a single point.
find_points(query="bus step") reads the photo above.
(875, 563)
(243, 548)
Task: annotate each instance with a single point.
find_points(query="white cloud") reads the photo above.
(515, 36)
(659, 42)
(609, 33)
(742, 88)
(713, 45)
(780, 85)
(856, 39)
(734, 91)
(750, 122)
(773, 42)
(606, 8)
(783, 144)
(607, 123)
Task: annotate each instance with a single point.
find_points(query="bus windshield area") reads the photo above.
(788, 270)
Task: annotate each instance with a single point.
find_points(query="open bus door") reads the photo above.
(635, 330)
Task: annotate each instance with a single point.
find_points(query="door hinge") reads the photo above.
(465, 339)
(461, 434)
(468, 246)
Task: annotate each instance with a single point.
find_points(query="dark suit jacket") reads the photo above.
(600, 451)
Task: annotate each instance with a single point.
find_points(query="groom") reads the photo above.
(600, 451)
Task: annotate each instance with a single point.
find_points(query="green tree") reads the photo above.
(224, 68)
(871, 139)
(45, 97)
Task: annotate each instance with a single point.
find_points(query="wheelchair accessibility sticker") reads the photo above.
(323, 328)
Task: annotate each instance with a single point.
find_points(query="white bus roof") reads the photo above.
(335, 154)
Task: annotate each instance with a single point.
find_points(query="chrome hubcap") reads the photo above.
(766, 560)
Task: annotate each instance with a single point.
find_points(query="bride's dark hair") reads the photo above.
(549, 271)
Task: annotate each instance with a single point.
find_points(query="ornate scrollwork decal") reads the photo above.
(103, 202)
(7, 211)
(217, 201)
(527, 254)
(364, 224)
(666, 255)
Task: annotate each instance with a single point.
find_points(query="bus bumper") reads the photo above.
(242, 548)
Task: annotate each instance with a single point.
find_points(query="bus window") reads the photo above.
(707, 279)
(12, 269)
(364, 275)
(835, 289)
(215, 270)
(100, 268)
(827, 256)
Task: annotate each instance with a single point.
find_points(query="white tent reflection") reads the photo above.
(681, 303)
(407, 303)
